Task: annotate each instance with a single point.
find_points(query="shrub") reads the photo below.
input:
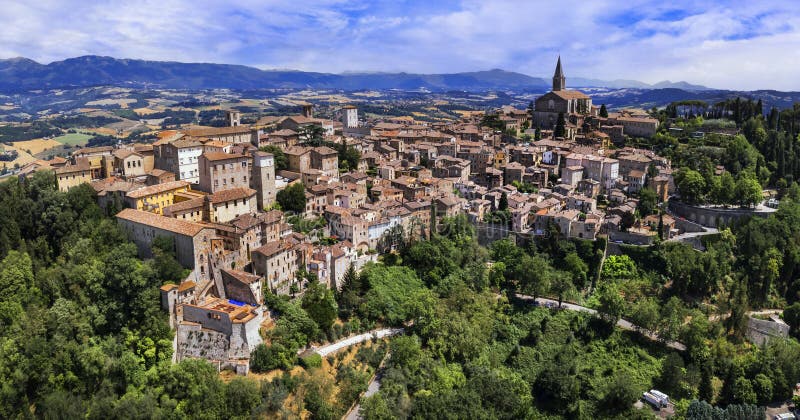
(311, 361)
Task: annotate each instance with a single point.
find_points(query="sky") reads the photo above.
(742, 45)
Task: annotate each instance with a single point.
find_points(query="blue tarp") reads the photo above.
(236, 302)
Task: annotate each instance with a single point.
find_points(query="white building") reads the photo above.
(350, 117)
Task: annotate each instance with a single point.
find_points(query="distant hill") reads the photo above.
(23, 74)
(647, 98)
(623, 84)
(20, 74)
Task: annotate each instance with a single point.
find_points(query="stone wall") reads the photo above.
(759, 331)
(713, 216)
(196, 342)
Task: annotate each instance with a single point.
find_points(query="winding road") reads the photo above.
(349, 341)
(623, 324)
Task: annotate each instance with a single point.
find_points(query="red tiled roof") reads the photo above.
(165, 223)
(157, 189)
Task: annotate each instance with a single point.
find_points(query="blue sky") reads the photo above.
(735, 45)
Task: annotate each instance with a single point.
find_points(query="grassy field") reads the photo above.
(73, 139)
(35, 146)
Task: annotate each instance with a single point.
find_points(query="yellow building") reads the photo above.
(154, 198)
(500, 159)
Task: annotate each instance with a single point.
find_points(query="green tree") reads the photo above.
(792, 317)
(562, 286)
(293, 198)
(503, 202)
(560, 130)
(497, 274)
(725, 190)
(743, 392)
(762, 385)
(648, 201)
(748, 191)
(242, 396)
(620, 392)
(349, 157)
(281, 162)
(612, 305)
(644, 314)
(577, 268)
(319, 303)
(603, 111)
(375, 408)
(691, 185)
(535, 274)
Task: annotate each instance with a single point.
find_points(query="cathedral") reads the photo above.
(560, 101)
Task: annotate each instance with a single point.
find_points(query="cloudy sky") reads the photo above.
(735, 45)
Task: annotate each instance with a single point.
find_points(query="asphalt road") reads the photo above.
(347, 342)
(623, 324)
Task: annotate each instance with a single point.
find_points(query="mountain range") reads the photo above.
(22, 74)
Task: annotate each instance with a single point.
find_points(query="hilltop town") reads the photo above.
(551, 169)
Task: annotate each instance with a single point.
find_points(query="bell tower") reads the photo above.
(559, 81)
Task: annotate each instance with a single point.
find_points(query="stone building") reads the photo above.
(222, 171)
(559, 101)
(192, 241)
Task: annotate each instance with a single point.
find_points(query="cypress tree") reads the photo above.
(603, 111)
(560, 126)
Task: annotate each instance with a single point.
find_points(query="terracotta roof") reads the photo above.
(245, 221)
(215, 156)
(242, 276)
(271, 216)
(124, 153)
(215, 143)
(217, 131)
(157, 189)
(188, 284)
(570, 94)
(283, 133)
(185, 142)
(90, 150)
(296, 150)
(273, 248)
(324, 150)
(231, 194)
(184, 205)
(81, 164)
(169, 286)
(164, 223)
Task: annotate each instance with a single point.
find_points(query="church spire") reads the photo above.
(559, 81)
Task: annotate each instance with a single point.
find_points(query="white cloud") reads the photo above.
(737, 44)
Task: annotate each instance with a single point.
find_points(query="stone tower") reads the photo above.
(559, 81)
(263, 178)
(308, 110)
(234, 118)
(350, 116)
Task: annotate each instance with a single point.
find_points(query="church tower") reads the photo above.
(559, 81)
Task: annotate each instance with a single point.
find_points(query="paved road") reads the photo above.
(625, 325)
(372, 389)
(347, 342)
(688, 235)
